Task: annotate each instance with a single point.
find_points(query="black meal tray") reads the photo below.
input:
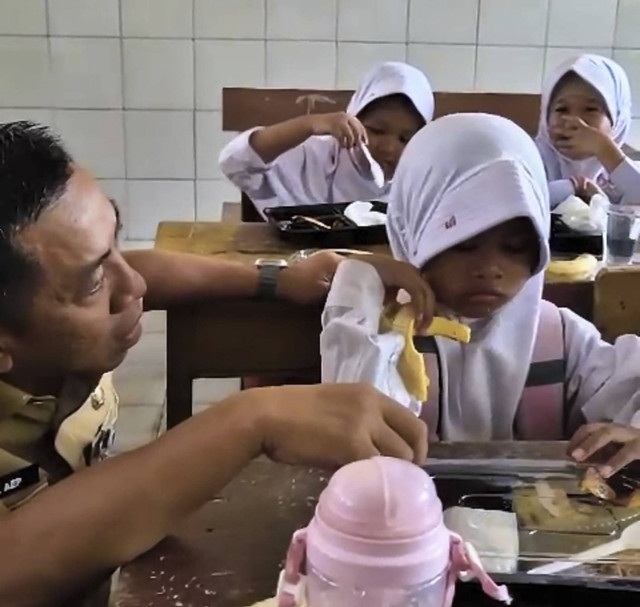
(344, 234)
(459, 487)
(565, 240)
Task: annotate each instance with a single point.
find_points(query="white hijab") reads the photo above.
(392, 78)
(459, 176)
(611, 81)
(389, 78)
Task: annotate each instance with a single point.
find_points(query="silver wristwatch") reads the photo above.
(268, 272)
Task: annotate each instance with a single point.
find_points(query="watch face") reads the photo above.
(277, 263)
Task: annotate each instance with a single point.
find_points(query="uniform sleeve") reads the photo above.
(602, 379)
(351, 348)
(626, 178)
(559, 191)
(301, 175)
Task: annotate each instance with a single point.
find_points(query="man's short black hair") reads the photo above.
(34, 171)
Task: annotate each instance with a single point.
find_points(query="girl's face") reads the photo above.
(477, 277)
(575, 97)
(390, 122)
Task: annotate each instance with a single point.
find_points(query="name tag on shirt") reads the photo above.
(18, 480)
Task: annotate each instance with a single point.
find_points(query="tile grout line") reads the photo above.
(262, 39)
(407, 30)
(336, 4)
(546, 43)
(615, 27)
(124, 118)
(265, 24)
(477, 46)
(47, 17)
(195, 134)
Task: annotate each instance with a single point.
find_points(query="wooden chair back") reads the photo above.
(616, 302)
(244, 108)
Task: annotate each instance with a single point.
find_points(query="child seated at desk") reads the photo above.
(585, 119)
(317, 158)
(469, 216)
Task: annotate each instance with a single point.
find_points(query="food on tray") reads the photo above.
(493, 533)
(544, 506)
(623, 564)
(593, 483)
(614, 490)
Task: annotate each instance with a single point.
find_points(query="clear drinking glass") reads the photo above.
(621, 235)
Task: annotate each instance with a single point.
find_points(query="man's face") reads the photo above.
(86, 311)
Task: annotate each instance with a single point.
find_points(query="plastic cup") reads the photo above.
(621, 235)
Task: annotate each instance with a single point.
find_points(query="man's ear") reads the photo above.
(7, 345)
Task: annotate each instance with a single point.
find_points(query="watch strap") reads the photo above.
(268, 281)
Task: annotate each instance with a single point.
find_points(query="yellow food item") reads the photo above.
(544, 506)
(410, 363)
(580, 268)
(592, 482)
(443, 327)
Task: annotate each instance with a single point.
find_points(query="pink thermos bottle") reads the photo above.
(378, 540)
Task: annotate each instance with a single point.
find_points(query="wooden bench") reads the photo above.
(245, 108)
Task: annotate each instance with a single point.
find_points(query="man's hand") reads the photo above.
(333, 424)
(591, 438)
(308, 281)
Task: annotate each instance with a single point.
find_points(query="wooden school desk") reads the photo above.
(230, 552)
(234, 338)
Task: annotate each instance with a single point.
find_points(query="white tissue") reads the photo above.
(493, 533)
(583, 217)
(361, 214)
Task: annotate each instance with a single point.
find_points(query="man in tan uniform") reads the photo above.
(70, 308)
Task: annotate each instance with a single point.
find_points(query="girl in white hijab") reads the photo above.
(584, 121)
(469, 210)
(317, 158)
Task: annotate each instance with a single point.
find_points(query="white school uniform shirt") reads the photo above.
(610, 80)
(319, 170)
(483, 170)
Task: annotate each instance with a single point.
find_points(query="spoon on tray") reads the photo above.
(376, 170)
(629, 540)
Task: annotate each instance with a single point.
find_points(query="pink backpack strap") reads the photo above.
(541, 412)
(430, 412)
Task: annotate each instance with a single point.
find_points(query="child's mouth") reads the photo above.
(490, 297)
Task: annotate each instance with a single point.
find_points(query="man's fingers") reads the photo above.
(580, 435)
(622, 458)
(391, 444)
(411, 429)
(592, 443)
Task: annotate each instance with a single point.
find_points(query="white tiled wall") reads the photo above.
(134, 86)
